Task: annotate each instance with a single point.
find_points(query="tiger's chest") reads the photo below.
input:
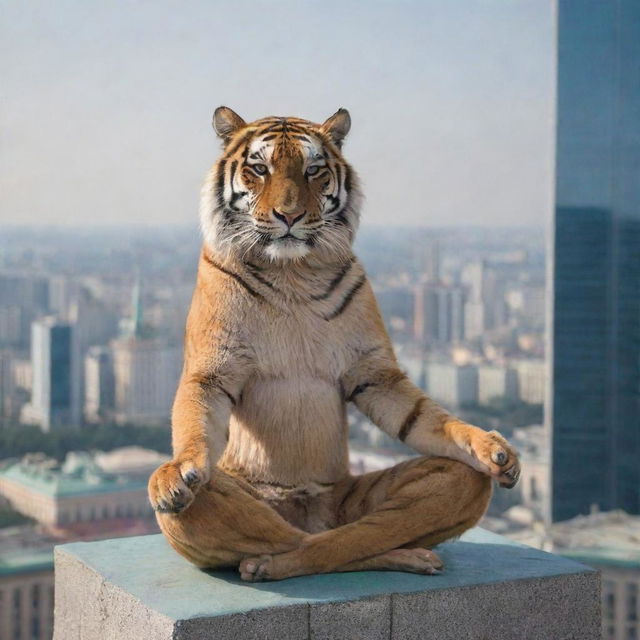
(300, 345)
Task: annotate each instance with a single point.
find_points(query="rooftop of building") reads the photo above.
(601, 538)
(25, 549)
(82, 473)
(26, 561)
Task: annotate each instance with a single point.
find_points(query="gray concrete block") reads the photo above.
(491, 589)
(87, 606)
(290, 623)
(368, 619)
(553, 608)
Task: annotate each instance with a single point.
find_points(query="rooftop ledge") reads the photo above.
(492, 589)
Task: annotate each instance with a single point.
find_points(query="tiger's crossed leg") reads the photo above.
(227, 522)
(386, 519)
(389, 519)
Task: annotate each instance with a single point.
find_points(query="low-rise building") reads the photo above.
(534, 486)
(79, 490)
(531, 379)
(451, 384)
(26, 594)
(496, 383)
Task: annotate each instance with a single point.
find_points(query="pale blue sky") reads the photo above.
(106, 106)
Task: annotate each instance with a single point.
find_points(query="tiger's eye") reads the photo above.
(311, 171)
(260, 169)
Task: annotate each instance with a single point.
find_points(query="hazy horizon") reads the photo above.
(107, 109)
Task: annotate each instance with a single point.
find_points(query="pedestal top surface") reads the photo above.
(150, 570)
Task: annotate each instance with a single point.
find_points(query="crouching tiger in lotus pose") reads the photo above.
(283, 332)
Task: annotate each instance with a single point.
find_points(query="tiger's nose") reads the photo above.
(289, 218)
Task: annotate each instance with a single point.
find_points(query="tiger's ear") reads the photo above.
(226, 122)
(337, 126)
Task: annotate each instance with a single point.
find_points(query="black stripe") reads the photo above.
(338, 177)
(238, 144)
(334, 282)
(410, 420)
(335, 204)
(211, 380)
(235, 276)
(342, 219)
(347, 299)
(259, 278)
(376, 482)
(347, 180)
(284, 128)
(368, 352)
(359, 389)
(270, 137)
(220, 183)
(268, 128)
(226, 393)
(346, 496)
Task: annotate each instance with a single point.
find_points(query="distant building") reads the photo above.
(6, 384)
(54, 403)
(87, 497)
(528, 304)
(452, 385)
(146, 373)
(396, 306)
(79, 490)
(485, 306)
(12, 320)
(531, 379)
(496, 383)
(23, 297)
(532, 443)
(22, 372)
(594, 408)
(99, 385)
(439, 313)
(428, 259)
(146, 370)
(63, 292)
(26, 594)
(94, 324)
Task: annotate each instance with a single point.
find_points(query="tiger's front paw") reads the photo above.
(173, 485)
(498, 456)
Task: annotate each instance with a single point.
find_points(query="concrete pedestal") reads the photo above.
(492, 589)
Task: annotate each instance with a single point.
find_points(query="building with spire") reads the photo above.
(146, 369)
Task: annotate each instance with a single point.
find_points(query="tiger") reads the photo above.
(283, 333)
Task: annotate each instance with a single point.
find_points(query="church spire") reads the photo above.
(136, 307)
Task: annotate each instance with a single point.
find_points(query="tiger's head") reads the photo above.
(281, 190)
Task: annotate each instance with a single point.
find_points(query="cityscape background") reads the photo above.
(509, 280)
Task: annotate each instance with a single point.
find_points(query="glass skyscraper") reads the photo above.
(594, 406)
